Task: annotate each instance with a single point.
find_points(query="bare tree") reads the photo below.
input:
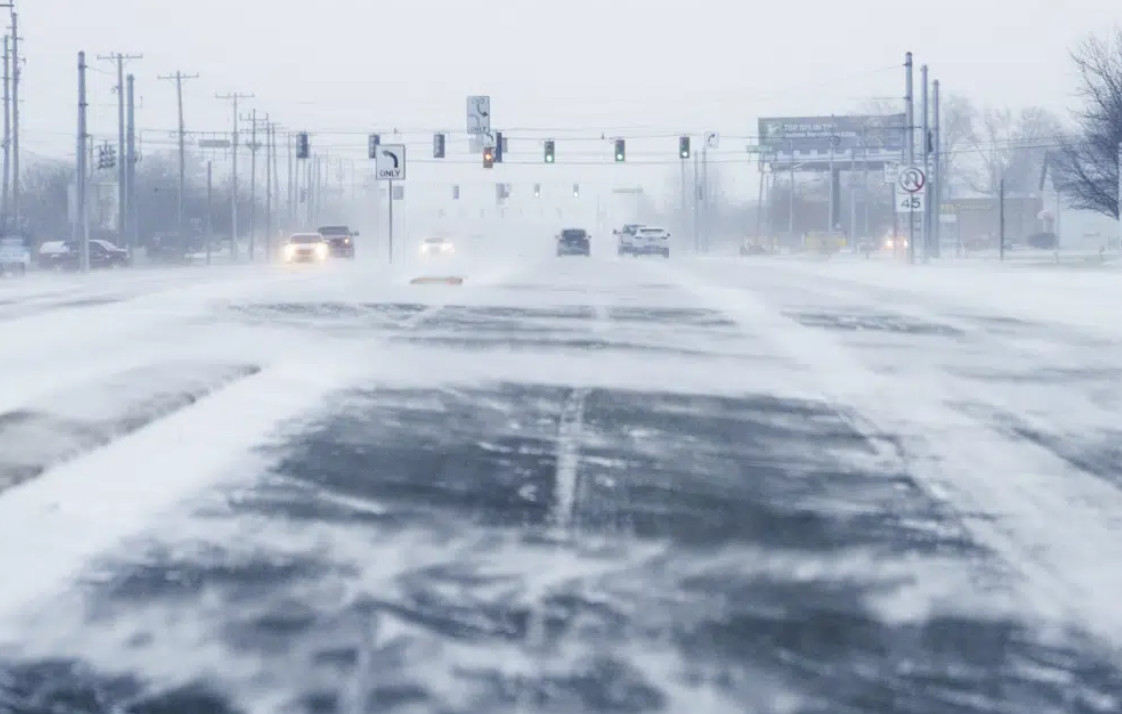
(1012, 147)
(957, 116)
(44, 197)
(1086, 167)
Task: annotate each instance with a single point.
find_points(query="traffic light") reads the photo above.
(303, 150)
(488, 157)
(537, 190)
(372, 146)
(455, 193)
(549, 151)
(684, 147)
(621, 150)
(438, 146)
(106, 156)
(499, 147)
(576, 190)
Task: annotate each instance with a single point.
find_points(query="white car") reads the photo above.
(437, 247)
(15, 258)
(305, 248)
(645, 240)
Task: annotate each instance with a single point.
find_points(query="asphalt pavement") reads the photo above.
(574, 485)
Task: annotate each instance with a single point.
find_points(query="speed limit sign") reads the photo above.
(910, 202)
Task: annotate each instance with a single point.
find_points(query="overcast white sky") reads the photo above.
(343, 68)
(356, 64)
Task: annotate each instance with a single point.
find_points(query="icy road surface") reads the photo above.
(571, 485)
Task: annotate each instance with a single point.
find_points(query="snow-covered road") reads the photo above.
(739, 485)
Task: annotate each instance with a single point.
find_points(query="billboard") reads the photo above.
(879, 133)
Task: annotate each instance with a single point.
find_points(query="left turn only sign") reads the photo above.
(389, 164)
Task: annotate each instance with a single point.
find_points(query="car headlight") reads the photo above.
(289, 250)
(321, 250)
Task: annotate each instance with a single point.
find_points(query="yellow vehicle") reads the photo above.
(824, 242)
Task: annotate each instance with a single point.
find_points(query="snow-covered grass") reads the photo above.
(1077, 298)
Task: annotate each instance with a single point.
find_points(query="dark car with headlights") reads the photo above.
(340, 240)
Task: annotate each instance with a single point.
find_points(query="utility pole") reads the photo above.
(122, 188)
(791, 197)
(209, 212)
(683, 218)
(697, 203)
(703, 196)
(760, 200)
(832, 204)
(276, 177)
(179, 77)
(252, 119)
(936, 191)
(308, 190)
(909, 118)
(7, 134)
(234, 97)
(131, 215)
(1001, 218)
(81, 213)
(268, 190)
(291, 212)
(16, 72)
(926, 164)
(865, 188)
(909, 144)
(852, 195)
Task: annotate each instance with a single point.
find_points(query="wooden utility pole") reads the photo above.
(122, 178)
(178, 78)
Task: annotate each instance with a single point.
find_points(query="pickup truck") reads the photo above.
(340, 240)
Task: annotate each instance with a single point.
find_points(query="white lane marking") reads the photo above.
(568, 458)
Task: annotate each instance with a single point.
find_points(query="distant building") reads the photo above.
(1077, 228)
(975, 220)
